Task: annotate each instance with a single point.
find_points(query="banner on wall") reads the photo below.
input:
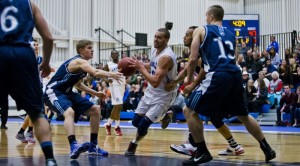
(245, 28)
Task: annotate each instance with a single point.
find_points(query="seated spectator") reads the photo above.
(245, 78)
(249, 59)
(270, 68)
(256, 67)
(240, 61)
(286, 105)
(263, 58)
(261, 97)
(287, 55)
(261, 75)
(296, 78)
(284, 72)
(250, 91)
(177, 106)
(274, 57)
(275, 88)
(297, 109)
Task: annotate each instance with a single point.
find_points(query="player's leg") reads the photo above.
(20, 135)
(4, 113)
(29, 134)
(94, 113)
(234, 148)
(238, 107)
(117, 115)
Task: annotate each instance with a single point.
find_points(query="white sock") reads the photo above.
(135, 141)
(117, 123)
(110, 121)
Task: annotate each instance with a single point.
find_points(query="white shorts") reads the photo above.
(155, 112)
(117, 93)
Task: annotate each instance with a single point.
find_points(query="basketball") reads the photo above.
(124, 65)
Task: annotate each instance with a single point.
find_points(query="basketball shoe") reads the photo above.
(29, 136)
(118, 131)
(131, 149)
(269, 153)
(185, 149)
(76, 149)
(21, 137)
(107, 128)
(51, 162)
(232, 151)
(94, 149)
(198, 158)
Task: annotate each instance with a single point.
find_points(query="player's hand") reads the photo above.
(101, 95)
(170, 86)
(188, 89)
(45, 69)
(134, 62)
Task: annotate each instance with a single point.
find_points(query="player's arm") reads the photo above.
(163, 66)
(79, 85)
(42, 28)
(189, 88)
(193, 58)
(147, 66)
(80, 64)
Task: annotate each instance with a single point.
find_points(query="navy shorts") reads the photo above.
(221, 94)
(60, 102)
(20, 78)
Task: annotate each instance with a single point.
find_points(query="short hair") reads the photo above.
(193, 27)
(165, 31)
(34, 39)
(114, 51)
(217, 11)
(82, 44)
(275, 73)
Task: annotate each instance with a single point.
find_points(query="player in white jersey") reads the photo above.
(156, 100)
(117, 89)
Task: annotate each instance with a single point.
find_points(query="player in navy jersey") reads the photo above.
(18, 18)
(60, 98)
(221, 92)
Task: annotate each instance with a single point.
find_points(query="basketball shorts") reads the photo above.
(20, 78)
(60, 102)
(154, 111)
(117, 93)
(220, 94)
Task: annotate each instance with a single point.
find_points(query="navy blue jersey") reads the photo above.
(63, 80)
(17, 22)
(217, 50)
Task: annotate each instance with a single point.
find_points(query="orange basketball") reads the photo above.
(124, 65)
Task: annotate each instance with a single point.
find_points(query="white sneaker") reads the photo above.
(232, 151)
(185, 149)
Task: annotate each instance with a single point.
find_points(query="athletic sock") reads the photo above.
(117, 123)
(232, 143)
(94, 137)
(110, 121)
(71, 139)
(47, 149)
(264, 144)
(21, 131)
(30, 129)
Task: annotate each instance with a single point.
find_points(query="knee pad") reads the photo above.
(136, 120)
(217, 122)
(191, 140)
(143, 126)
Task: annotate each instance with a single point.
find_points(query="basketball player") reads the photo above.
(221, 92)
(117, 89)
(188, 148)
(156, 100)
(16, 56)
(60, 98)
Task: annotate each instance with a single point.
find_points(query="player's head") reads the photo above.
(114, 55)
(85, 48)
(188, 37)
(161, 38)
(35, 46)
(214, 13)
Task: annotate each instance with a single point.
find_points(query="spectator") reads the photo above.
(275, 58)
(284, 72)
(240, 61)
(273, 44)
(261, 75)
(245, 78)
(261, 97)
(274, 88)
(249, 59)
(286, 105)
(270, 69)
(243, 49)
(177, 106)
(297, 109)
(256, 67)
(263, 58)
(287, 55)
(250, 91)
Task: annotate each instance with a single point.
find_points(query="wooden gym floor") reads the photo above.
(152, 151)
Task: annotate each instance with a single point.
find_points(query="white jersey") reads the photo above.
(160, 95)
(117, 88)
